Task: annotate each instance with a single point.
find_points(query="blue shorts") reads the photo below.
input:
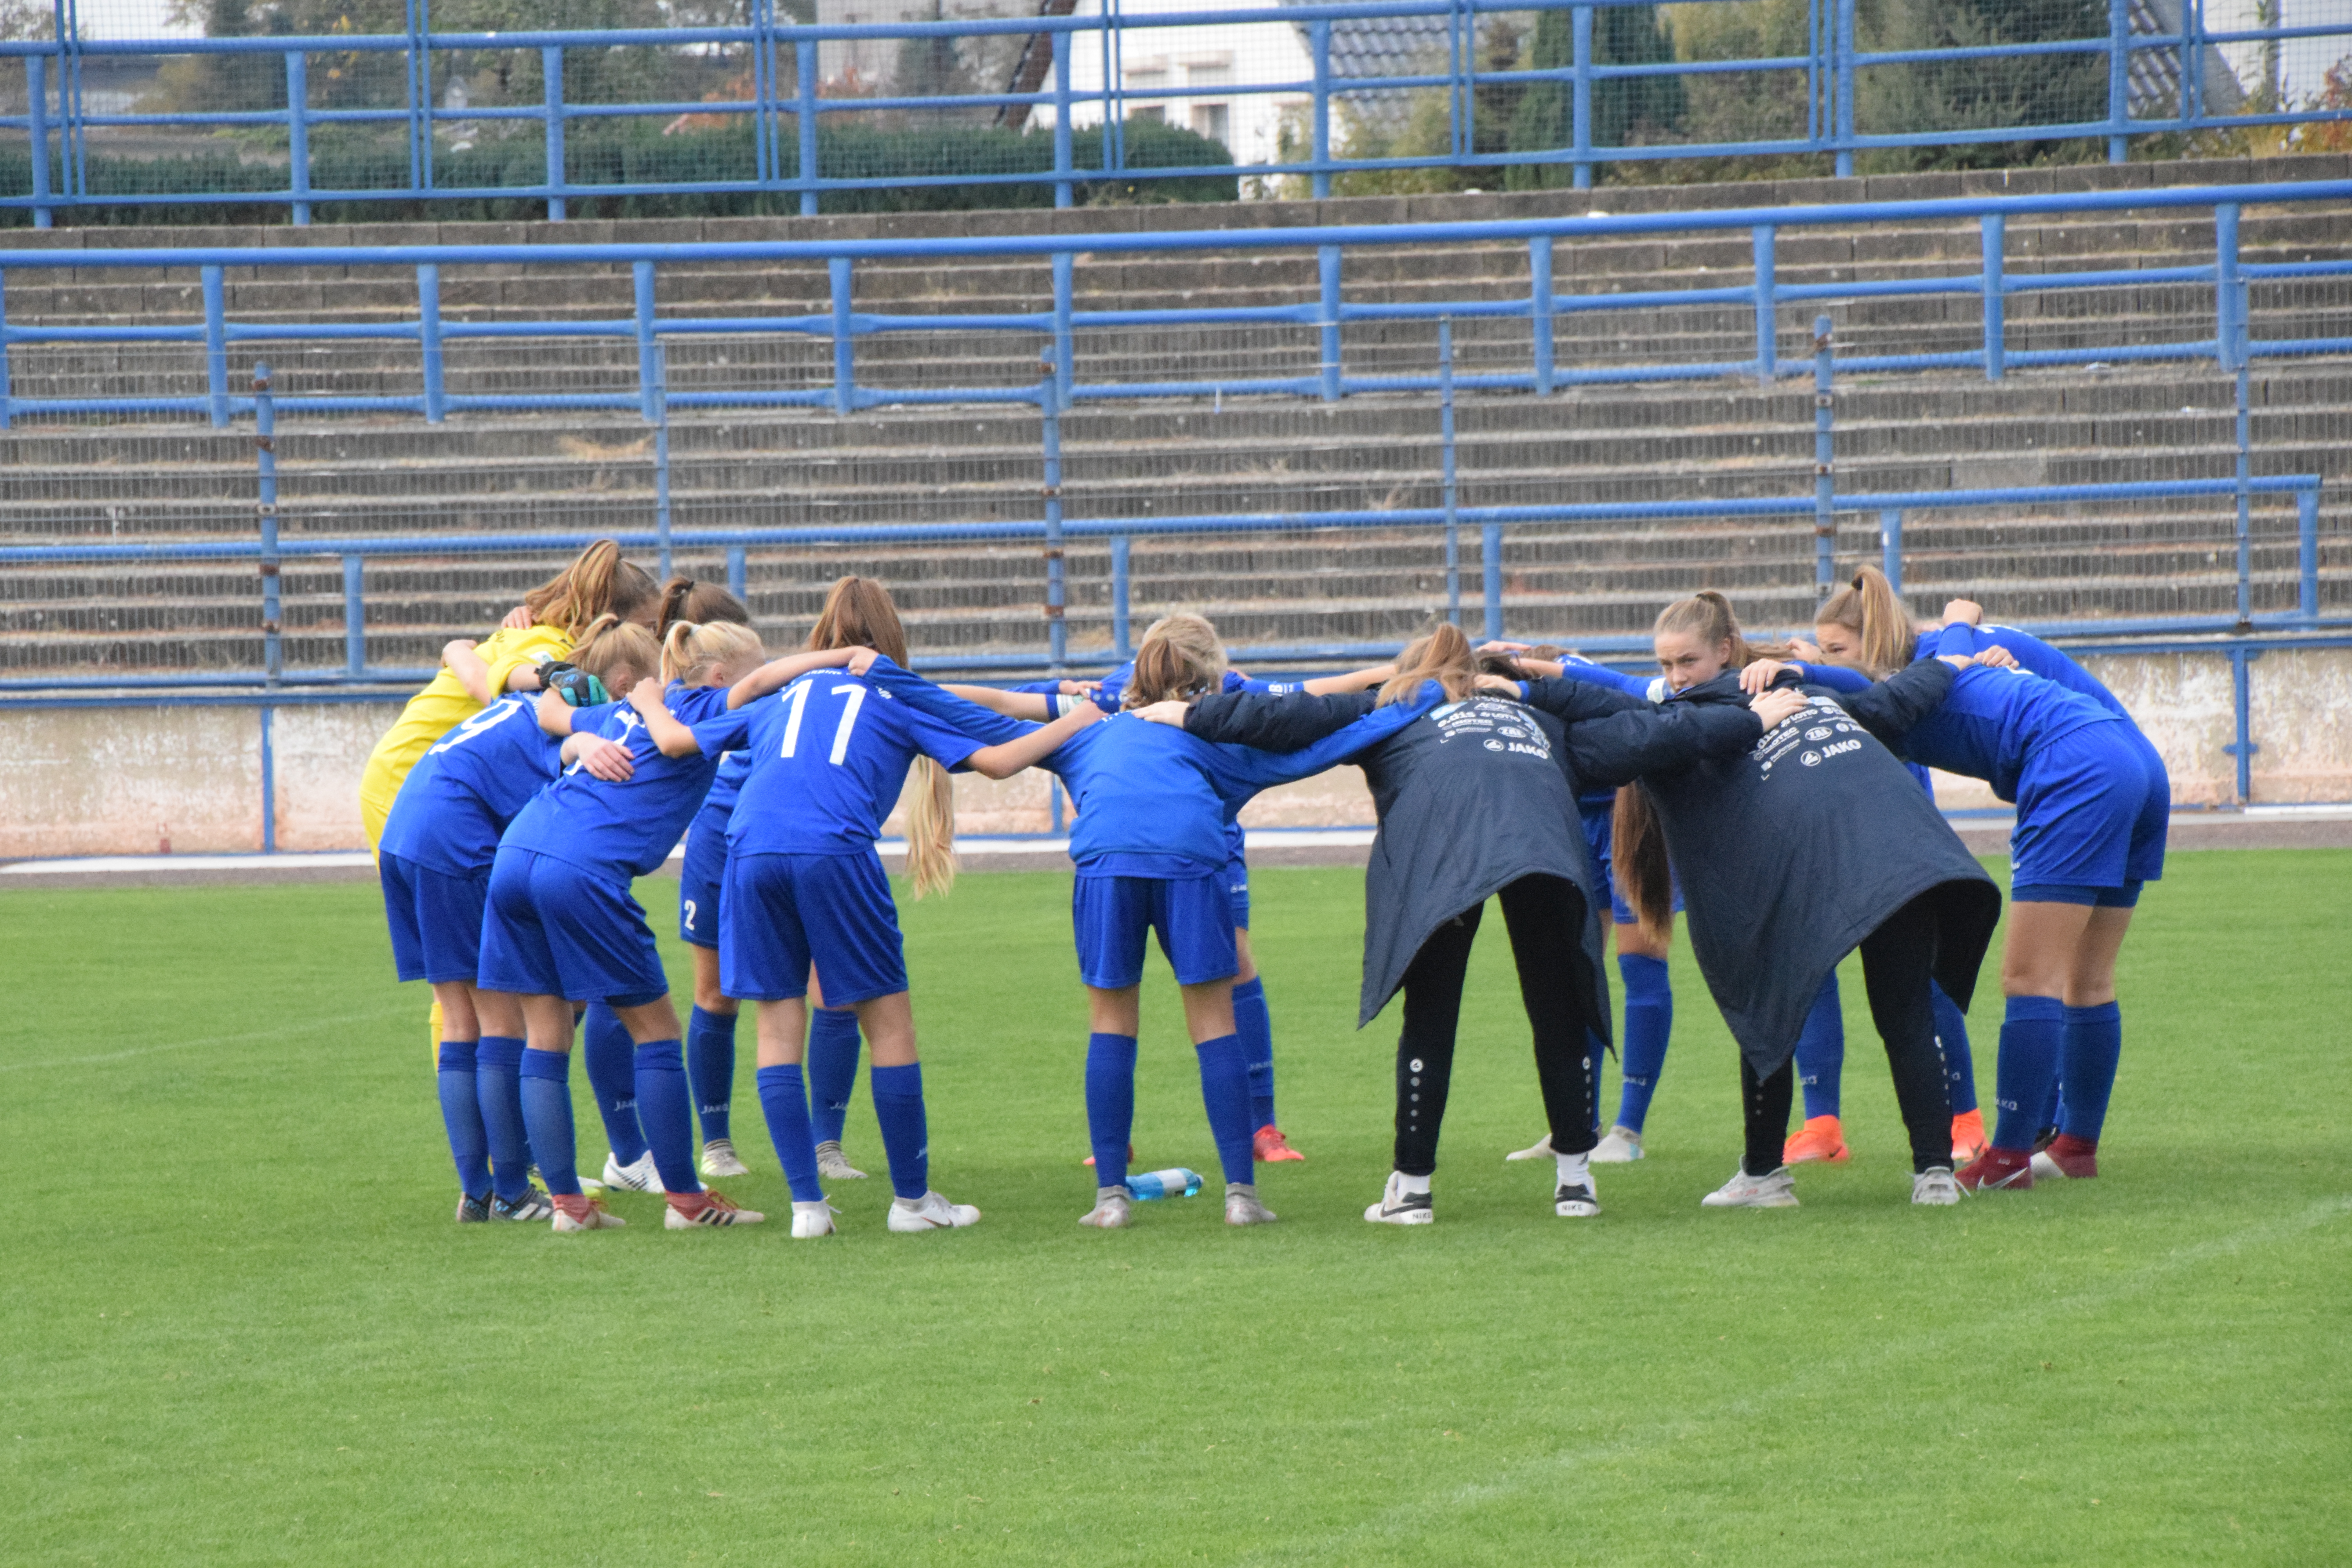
(1192, 917)
(1599, 831)
(2091, 811)
(554, 930)
(782, 912)
(700, 879)
(435, 919)
(1236, 879)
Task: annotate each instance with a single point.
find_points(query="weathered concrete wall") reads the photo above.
(99, 781)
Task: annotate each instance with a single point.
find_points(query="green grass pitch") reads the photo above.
(237, 1324)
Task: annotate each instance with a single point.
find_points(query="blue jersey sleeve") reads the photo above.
(729, 730)
(946, 709)
(1240, 771)
(1575, 668)
(1836, 677)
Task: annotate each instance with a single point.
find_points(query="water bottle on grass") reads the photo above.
(1174, 1183)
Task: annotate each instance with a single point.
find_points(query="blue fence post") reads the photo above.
(1057, 630)
(1825, 462)
(1995, 229)
(739, 572)
(661, 461)
(2241, 709)
(1890, 548)
(7, 414)
(1539, 309)
(1842, 52)
(1319, 38)
(2306, 553)
(2245, 502)
(845, 365)
(264, 463)
(1118, 592)
(2229, 352)
(216, 346)
(1327, 261)
(269, 783)
(1768, 353)
(419, 58)
(804, 73)
(1580, 115)
(649, 344)
(551, 69)
(298, 132)
(2119, 79)
(1064, 366)
(1063, 189)
(355, 615)
(428, 333)
(1446, 467)
(36, 124)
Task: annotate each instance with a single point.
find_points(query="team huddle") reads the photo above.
(1773, 795)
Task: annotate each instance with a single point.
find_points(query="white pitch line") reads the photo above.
(278, 1033)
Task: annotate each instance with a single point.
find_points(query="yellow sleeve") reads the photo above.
(507, 651)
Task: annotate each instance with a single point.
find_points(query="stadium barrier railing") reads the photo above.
(2051, 73)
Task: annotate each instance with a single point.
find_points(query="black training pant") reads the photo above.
(1898, 962)
(1546, 917)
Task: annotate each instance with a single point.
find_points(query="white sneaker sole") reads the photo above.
(946, 1216)
(1379, 1214)
(673, 1220)
(630, 1178)
(811, 1222)
(1538, 1150)
(1754, 1201)
(723, 1166)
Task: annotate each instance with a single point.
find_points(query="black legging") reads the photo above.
(1546, 916)
(1898, 963)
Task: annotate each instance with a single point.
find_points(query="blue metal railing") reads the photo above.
(787, 100)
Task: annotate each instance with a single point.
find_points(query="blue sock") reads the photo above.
(1649, 1023)
(1225, 1091)
(710, 1065)
(1254, 1026)
(613, 1079)
(2032, 1032)
(1821, 1051)
(2087, 1068)
(784, 1103)
(461, 1114)
(497, 1089)
(832, 1070)
(1110, 1104)
(547, 1111)
(906, 1141)
(663, 1112)
(1959, 1062)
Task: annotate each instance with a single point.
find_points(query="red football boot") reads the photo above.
(1998, 1170)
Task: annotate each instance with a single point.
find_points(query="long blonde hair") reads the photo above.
(608, 645)
(1441, 654)
(1871, 609)
(690, 652)
(1181, 655)
(597, 582)
(1707, 615)
(859, 612)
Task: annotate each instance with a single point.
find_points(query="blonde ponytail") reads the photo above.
(1869, 608)
(690, 652)
(930, 829)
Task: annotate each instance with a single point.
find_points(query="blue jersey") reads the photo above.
(2031, 653)
(727, 784)
(829, 757)
(471, 783)
(624, 830)
(1993, 720)
(1113, 690)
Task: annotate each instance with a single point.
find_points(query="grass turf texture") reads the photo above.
(239, 1325)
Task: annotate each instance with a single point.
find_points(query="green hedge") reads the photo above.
(639, 154)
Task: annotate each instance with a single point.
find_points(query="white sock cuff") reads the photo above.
(1416, 1185)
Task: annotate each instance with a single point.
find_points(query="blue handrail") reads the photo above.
(54, 106)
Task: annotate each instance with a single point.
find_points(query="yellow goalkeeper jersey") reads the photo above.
(445, 702)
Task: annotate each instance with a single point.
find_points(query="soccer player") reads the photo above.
(433, 862)
(805, 885)
(2092, 808)
(1462, 758)
(561, 927)
(1791, 856)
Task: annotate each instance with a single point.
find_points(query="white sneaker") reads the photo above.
(643, 1176)
(1113, 1209)
(1935, 1186)
(813, 1220)
(1242, 1207)
(720, 1209)
(1775, 1190)
(719, 1159)
(834, 1166)
(1576, 1201)
(597, 1217)
(1538, 1150)
(930, 1212)
(1398, 1206)
(1622, 1146)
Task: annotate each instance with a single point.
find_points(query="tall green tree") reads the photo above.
(1625, 110)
